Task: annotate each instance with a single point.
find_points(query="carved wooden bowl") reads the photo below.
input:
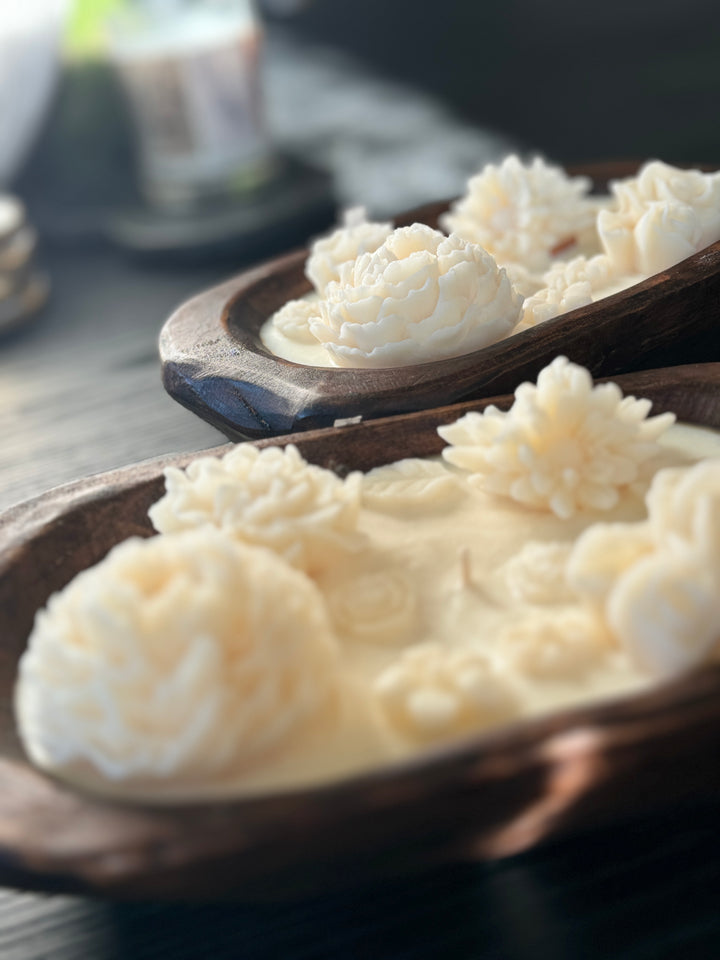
(215, 364)
(483, 797)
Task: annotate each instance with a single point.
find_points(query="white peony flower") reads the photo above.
(270, 497)
(563, 446)
(523, 213)
(661, 216)
(293, 320)
(183, 657)
(432, 691)
(658, 582)
(355, 237)
(419, 297)
(568, 285)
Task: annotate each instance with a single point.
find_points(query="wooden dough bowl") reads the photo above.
(485, 797)
(214, 363)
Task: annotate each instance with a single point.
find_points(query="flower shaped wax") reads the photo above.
(432, 691)
(658, 582)
(183, 657)
(294, 318)
(559, 646)
(564, 445)
(660, 217)
(419, 297)
(270, 497)
(374, 607)
(568, 285)
(523, 213)
(356, 236)
(536, 573)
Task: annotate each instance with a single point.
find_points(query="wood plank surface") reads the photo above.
(80, 388)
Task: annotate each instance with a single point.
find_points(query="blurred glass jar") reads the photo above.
(30, 32)
(191, 71)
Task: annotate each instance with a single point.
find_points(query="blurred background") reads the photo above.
(386, 103)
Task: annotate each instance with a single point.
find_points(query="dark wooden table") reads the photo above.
(81, 393)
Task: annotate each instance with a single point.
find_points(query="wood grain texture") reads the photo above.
(485, 797)
(214, 363)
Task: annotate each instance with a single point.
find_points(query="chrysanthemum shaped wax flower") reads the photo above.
(568, 285)
(563, 446)
(658, 582)
(522, 213)
(176, 659)
(432, 692)
(270, 497)
(294, 318)
(660, 217)
(356, 236)
(421, 296)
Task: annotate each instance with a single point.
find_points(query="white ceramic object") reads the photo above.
(30, 34)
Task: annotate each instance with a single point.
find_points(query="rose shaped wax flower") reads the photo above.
(563, 644)
(177, 660)
(375, 607)
(658, 582)
(270, 497)
(357, 235)
(568, 285)
(563, 446)
(660, 217)
(435, 691)
(421, 296)
(525, 214)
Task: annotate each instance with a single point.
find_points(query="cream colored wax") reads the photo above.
(472, 574)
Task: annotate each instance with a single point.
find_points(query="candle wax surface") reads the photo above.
(419, 594)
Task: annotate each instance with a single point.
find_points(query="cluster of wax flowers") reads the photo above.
(652, 221)
(190, 655)
(526, 218)
(656, 583)
(397, 297)
(180, 658)
(564, 445)
(419, 297)
(660, 217)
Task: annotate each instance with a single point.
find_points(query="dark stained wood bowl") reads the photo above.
(215, 364)
(485, 797)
